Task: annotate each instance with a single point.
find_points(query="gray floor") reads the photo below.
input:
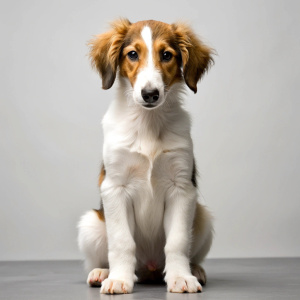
(271, 278)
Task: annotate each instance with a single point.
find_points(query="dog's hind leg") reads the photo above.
(202, 240)
(92, 241)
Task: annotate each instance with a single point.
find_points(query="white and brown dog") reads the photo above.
(149, 222)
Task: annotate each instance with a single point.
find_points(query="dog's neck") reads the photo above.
(142, 130)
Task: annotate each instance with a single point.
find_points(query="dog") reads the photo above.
(150, 226)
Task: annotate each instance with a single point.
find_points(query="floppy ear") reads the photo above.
(196, 57)
(105, 50)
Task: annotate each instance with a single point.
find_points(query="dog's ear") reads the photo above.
(196, 57)
(105, 51)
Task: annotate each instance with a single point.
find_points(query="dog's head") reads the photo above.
(152, 55)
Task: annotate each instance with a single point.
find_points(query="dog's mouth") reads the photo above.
(148, 105)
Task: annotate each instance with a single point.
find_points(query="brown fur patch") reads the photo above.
(101, 175)
(170, 70)
(100, 214)
(129, 68)
(196, 57)
(106, 49)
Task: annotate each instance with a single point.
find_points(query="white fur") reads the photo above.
(147, 194)
(92, 240)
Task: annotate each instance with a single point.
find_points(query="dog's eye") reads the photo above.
(167, 56)
(133, 55)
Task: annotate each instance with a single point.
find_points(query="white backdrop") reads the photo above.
(245, 122)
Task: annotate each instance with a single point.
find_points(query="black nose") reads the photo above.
(150, 96)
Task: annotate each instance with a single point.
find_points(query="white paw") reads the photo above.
(96, 277)
(114, 286)
(184, 284)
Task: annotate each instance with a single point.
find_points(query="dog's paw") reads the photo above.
(115, 286)
(199, 273)
(96, 276)
(184, 284)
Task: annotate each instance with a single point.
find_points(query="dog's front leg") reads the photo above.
(121, 246)
(178, 219)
